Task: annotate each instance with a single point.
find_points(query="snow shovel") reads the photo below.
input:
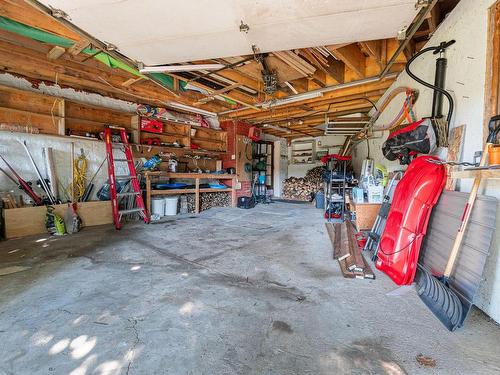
(435, 291)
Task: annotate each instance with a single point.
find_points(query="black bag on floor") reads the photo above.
(246, 202)
(416, 138)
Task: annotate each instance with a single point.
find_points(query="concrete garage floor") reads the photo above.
(228, 292)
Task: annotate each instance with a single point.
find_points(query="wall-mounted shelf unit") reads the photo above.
(209, 139)
(44, 114)
(303, 152)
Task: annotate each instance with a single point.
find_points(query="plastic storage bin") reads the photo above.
(171, 205)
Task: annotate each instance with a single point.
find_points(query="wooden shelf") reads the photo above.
(169, 134)
(477, 173)
(168, 121)
(173, 191)
(196, 191)
(221, 176)
(203, 139)
(215, 190)
(189, 191)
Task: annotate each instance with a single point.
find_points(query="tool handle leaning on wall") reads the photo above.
(494, 128)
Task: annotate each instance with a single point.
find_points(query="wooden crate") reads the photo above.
(20, 222)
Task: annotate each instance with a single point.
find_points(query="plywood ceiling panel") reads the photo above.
(170, 31)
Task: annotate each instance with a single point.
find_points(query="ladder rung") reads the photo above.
(122, 160)
(124, 177)
(124, 212)
(126, 194)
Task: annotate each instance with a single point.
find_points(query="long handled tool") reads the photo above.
(90, 185)
(435, 292)
(45, 187)
(22, 184)
(378, 227)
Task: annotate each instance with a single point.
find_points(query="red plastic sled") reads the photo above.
(415, 195)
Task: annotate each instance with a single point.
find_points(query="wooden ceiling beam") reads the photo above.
(296, 62)
(336, 69)
(373, 49)
(321, 118)
(20, 11)
(353, 58)
(323, 107)
(433, 19)
(239, 77)
(334, 113)
(379, 85)
(235, 96)
(67, 72)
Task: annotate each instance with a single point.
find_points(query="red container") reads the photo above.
(152, 126)
(415, 195)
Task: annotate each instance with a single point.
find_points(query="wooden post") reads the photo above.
(491, 94)
(148, 193)
(73, 200)
(233, 192)
(197, 196)
(61, 112)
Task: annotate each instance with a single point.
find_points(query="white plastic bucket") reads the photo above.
(158, 206)
(171, 205)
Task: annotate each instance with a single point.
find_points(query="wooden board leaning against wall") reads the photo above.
(243, 158)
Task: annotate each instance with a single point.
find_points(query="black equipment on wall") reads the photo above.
(439, 80)
(425, 135)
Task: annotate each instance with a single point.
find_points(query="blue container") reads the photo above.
(320, 200)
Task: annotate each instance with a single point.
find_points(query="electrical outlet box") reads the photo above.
(233, 157)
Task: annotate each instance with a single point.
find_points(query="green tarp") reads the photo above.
(46, 37)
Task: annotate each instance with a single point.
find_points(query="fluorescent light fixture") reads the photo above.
(180, 68)
(292, 99)
(188, 108)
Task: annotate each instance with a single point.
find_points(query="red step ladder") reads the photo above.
(132, 177)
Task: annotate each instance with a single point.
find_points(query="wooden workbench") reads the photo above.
(196, 191)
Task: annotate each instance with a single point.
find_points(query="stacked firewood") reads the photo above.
(303, 188)
(209, 200)
(298, 188)
(315, 174)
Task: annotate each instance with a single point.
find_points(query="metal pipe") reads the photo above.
(221, 69)
(320, 91)
(419, 20)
